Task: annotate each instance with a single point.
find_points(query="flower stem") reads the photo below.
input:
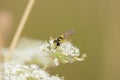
(1, 46)
(20, 29)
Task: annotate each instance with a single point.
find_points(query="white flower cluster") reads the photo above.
(65, 53)
(43, 53)
(24, 72)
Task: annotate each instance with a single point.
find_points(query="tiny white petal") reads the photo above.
(56, 61)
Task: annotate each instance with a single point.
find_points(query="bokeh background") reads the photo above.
(97, 26)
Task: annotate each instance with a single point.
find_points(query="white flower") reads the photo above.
(43, 53)
(25, 72)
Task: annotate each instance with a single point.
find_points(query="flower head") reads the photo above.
(25, 72)
(43, 53)
(65, 53)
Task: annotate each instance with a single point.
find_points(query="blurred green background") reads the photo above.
(97, 26)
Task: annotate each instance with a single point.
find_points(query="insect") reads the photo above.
(62, 38)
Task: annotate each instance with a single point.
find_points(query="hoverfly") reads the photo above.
(62, 38)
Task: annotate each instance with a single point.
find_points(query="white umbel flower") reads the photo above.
(43, 53)
(25, 72)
